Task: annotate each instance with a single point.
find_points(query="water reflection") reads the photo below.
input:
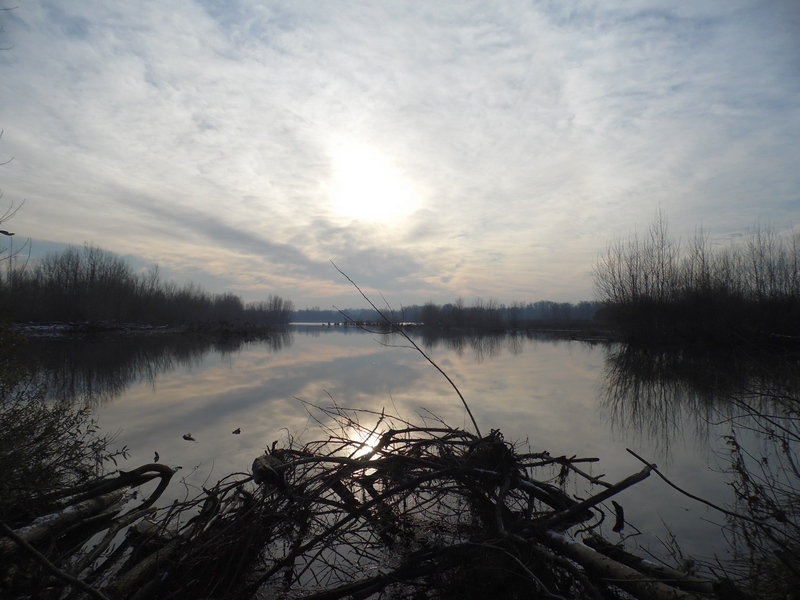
(647, 395)
(752, 403)
(99, 369)
(480, 346)
(656, 393)
(485, 346)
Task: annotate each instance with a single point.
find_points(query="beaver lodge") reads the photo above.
(414, 512)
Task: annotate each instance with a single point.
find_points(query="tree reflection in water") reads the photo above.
(483, 346)
(753, 401)
(93, 371)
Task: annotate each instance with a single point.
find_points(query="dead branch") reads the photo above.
(53, 523)
(698, 498)
(649, 569)
(611, 571)
(554, 521)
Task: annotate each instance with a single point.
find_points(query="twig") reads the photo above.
(398, 329)
(699, 499)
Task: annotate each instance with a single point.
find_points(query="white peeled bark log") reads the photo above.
(626, 578)
(53, 523)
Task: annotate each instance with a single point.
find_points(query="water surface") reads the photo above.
(568, 397)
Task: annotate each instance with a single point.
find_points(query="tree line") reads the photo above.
(492, 315)
(87, 283)
(484, 315)
(656, 288)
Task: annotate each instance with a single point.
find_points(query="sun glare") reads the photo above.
(368, 187)
(366, 440)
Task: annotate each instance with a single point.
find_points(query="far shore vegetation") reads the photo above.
(86, 284)
(97, 290)
(481, 315)
(649, 289)
(657, 290)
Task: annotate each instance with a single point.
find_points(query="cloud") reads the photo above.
(204, 135)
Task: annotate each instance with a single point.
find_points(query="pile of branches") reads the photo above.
(395, 509)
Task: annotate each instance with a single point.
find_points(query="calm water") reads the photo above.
(566, 397)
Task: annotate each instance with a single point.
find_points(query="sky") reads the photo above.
(431, 150)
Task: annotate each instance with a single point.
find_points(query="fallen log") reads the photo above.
(650, 569)
(52, 524)
(611, 572)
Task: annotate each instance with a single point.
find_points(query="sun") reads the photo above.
(368, 187)
(367, 440)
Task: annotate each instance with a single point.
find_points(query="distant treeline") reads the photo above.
(485, 315)
(87, 283)
(657, 289)
(491, 315)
